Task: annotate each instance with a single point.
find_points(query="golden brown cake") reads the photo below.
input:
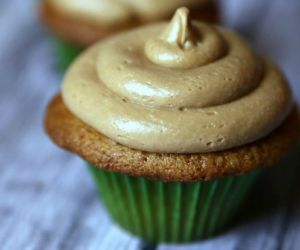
(70, 133)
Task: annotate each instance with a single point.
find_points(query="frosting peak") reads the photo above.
(180, 31)
(148, 90)
(182, 45)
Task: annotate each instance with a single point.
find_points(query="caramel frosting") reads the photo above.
(104, 12)
(112, 12)
(181, 87)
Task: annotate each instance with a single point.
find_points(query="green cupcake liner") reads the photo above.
(66, 53)
(171, 211)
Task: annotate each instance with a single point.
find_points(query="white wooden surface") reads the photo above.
(47, 198)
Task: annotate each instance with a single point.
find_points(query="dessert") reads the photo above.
(176, 121)
(77, 24)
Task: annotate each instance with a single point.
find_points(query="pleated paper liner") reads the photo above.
(65, 53)
(160, 211)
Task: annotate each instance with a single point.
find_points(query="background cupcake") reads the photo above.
(77, 24)
(188, 105)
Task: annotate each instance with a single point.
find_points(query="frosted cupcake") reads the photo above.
(176, 121)
(79, 23)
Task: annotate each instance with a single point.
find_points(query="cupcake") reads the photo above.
(79, 23)
(176, 122)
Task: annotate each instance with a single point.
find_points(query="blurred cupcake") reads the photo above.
(176, 121)
(79, 23)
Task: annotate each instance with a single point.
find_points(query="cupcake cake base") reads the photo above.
(69, 132)
(160, 197)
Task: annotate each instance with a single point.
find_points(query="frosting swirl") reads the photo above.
(180, 45)
(178, 88)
